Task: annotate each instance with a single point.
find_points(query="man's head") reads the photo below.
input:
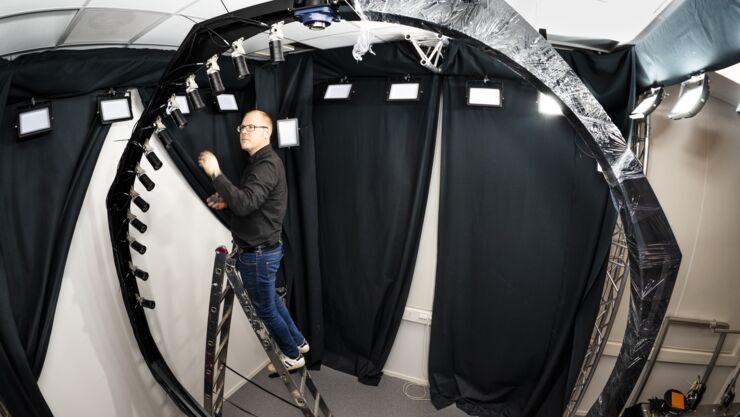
(255, 131)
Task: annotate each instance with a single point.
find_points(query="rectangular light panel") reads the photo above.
(114, 109)
(548, 105)
(34, 121)
(338, 92)
(227, 102)
(182, 101)
(484, 96)
(287, 133)
(403, 92)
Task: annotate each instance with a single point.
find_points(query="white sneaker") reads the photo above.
(304, 347)
(290, 364)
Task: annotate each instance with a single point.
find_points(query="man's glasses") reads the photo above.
(249, 128)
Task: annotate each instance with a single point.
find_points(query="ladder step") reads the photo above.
(226, 317)
(221, 347)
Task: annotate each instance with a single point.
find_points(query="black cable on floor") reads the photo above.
(262, 388)
(232, 403)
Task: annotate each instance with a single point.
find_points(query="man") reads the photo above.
(258, 205)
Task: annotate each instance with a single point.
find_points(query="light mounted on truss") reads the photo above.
(430, 49)
(276, 43)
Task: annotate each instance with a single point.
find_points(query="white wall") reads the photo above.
(93, 366)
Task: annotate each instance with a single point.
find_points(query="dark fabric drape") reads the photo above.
(524, 228)
(286, 91)
(374, 161)
(699, 35)
(43, 183)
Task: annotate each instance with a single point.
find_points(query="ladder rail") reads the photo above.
(226, 286)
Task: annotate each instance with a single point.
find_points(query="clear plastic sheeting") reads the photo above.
(495, 27)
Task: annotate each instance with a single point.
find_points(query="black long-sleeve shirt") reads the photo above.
(259, 202)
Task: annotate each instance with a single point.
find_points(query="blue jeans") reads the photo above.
(258, 271)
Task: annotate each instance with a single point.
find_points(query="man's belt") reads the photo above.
(263, 247)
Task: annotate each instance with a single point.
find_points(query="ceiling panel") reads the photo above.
(296, 30)
(171, 32)
(336, 41)
(12, 7)
(111, 25)
(165, 6)
(207, 9)
(48, 28)
(619, 20)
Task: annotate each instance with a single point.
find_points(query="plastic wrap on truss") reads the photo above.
(493, 26)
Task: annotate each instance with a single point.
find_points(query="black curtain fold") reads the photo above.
(525, 222)
(44, 180)
(374, 162)
(286, 91)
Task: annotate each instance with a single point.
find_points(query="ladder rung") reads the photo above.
(225, 319)
(223, 344)
(219, 387)
(220, 367)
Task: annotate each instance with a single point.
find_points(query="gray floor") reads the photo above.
(345, 396)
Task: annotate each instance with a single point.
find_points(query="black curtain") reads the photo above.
(286, 91)
(524, 228)
(43, 182)
(374, 161)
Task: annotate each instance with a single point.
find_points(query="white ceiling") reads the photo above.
(164, 23)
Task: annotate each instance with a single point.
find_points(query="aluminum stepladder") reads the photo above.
(225, 286)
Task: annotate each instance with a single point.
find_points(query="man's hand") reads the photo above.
(216, 202)
(207, 160)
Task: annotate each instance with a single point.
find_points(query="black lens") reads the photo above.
(217, 86)
(196, 100)
(142, 275)
(146, 182)
(141, 204)
(240, 62)
(179, 118)
(166, 138)
(138, 247)
(154, 160)
(138, 225)
(276, 51)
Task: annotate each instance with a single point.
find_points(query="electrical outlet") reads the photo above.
(417, 315)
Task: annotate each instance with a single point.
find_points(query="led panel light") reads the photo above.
(182, 101)
(34, 121)
(548, 105)
(648, 104)
(227, 102)
(484, 94)
(338, 91)
(114, 109)
(287, 133)
(405, 91)
(694, 94)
